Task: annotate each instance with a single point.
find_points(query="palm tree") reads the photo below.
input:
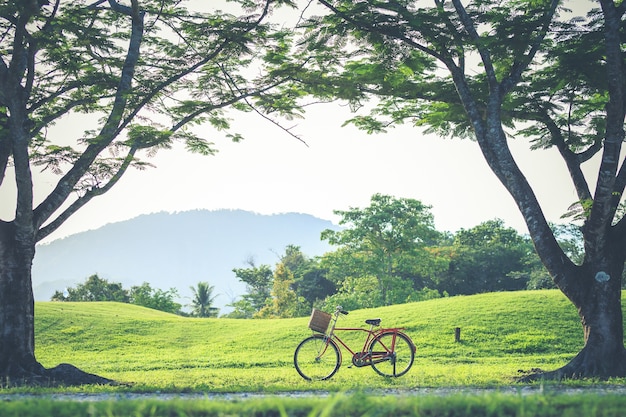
(203, 299)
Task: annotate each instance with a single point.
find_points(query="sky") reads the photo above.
(339, 167)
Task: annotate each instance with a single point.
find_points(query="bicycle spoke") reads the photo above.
(316, 358)
(392, 354)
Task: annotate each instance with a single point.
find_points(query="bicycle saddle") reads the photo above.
(373, 322)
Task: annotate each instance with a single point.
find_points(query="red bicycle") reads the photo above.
(389, 351)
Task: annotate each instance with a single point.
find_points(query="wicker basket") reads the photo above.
(319, 321)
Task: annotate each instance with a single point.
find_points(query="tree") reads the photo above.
(284, 300)
(258, 280)
(146, 296)
(486, 258)
(564, 80)
(143, 73)
(296, 283)
(99, 289)
(570, 239)
(355, 294)
(93, 289)
(203, 299)
(310, 283)
(313, 286)
(386, 241)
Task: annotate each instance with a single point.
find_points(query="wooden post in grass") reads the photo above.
(457, 334)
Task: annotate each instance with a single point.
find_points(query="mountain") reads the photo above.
(176, 250)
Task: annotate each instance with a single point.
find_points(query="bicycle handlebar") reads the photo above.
(341, 310)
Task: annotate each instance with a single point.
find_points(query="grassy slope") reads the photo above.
(501, 334)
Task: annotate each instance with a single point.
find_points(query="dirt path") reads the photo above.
(512, 390)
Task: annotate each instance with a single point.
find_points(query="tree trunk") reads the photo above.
(18, 365)
(17, 328)
(603, 355)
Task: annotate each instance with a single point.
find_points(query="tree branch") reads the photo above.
(572, 160)
(244, 96)
(163, 85)
(367, 26)
(117, 121)
(81, 201)
(603, 209)
(520, 66)
(66, 185)
(485, 56)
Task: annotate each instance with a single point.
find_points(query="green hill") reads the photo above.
(501, 333)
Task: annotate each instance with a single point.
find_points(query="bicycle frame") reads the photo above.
(363, 357)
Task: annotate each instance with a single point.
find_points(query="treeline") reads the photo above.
(391, 253)
(99, 289)
(387, 253)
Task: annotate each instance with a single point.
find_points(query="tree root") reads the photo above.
(584, 365)
(540, 375)
(67, 374)
(61, 375)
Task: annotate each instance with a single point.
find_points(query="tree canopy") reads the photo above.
(386, 241)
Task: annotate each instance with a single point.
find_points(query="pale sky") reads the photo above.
(271, 172)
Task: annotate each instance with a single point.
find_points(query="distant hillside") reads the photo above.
(176, 250)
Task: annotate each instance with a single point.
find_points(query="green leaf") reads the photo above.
(142, 137)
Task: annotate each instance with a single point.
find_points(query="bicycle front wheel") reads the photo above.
(317, 358)
(392, 354)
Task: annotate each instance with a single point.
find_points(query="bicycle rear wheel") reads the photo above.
(392, 354)
(316, 358)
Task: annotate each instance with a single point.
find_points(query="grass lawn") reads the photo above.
(501, 335)
(154, 352)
